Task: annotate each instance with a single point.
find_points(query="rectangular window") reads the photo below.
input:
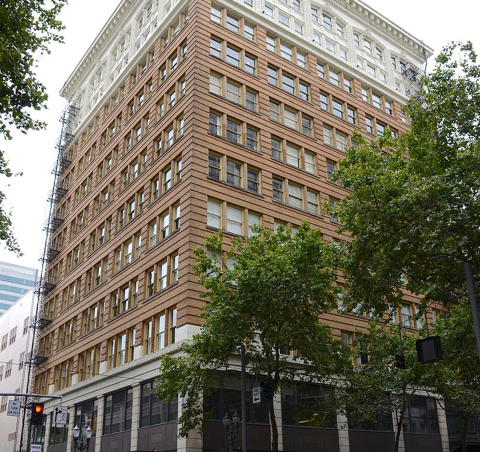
(118, 412)
(234, 173)
(154, 411)
(215, 48)
(234, 220)
(295, 196)
(369, 124)
(421, 416)
(312, 202)
(233, 56)
(233, 131)
(214, 166)
(283, 19)
(214, 214)
(277, 189)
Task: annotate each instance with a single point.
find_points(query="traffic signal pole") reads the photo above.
(473, 301)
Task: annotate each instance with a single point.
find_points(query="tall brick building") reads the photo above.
(185, 118)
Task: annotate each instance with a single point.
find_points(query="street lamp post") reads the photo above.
(231, 429)
(81, 445)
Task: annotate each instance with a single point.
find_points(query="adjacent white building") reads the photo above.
(16, 337)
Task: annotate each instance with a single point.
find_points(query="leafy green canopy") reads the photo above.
(26, 29)
(266, 291)
(457, 376)
(414, 210)
(378, 388)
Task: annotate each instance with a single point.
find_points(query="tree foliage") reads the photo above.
(414, 210)
(457, 377)
(377, 387)
(27, 27)
(266, 291)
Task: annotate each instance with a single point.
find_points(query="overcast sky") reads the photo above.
(433, 22)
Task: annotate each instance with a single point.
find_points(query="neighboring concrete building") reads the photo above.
(187, 117)
(16, 345)
(15, 281)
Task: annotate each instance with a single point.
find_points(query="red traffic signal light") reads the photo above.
(400, 361)
(37, 414)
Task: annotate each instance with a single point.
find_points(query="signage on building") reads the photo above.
(35, 448)
(13, 408)
(256, 395)
(60, 413)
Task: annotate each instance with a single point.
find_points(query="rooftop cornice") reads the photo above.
(91, 55)
(372, 17)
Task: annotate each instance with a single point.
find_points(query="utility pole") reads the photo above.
(473, 302)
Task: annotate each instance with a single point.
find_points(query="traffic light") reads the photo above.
(400, 361)
(266, 390)
(36, 417)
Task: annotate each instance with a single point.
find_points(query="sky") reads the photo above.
(435, 22)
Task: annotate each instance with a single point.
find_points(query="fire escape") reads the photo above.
(54, 222)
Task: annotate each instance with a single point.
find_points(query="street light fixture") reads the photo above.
(81, 445)
(231, 429)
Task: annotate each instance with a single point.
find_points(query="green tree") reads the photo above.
(27, 27)
(457, 377)
(266, 291)
(414, 210)
(376, 388)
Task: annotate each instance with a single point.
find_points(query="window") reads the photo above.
(382, 422)
(284, 19)
(226, 395)
(166, 179)
(291, 118)
(164, 224)
(8, 368)
(367, 45)
(295, 195)
(26, 324)
(13, 336)
(122, 299)
(329, 45)
(331, 167)
(159, 330)
(290, 53)
(237, 25)
(67, 333)
(292, 154)
(421, 416)
(104, 198)
(369, 124)
(406, 314)
(118, 412)
(3, 406)
(302, 406)
(338, 108)
(162, 275)
(288, 83)
(327, 22)
(214, 218)
(233, 219)
(154, 411)
(233, 55)
(233, 130)
(169, 136)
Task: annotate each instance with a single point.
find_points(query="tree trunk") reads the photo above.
(273, 423)
(400, 422)
(464, 433)
(399, 430)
